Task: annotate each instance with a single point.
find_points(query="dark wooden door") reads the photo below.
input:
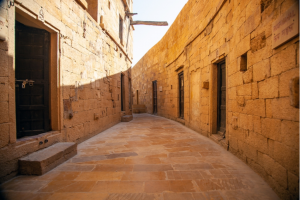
(32, 63)
(154, 97)
(222, 98)
(122, 93)
(181, 96)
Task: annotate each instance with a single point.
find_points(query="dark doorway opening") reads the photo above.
(154, 84)
(181, 95)
(32, 80)
(222, 98)
(122, 93)
(130, 94)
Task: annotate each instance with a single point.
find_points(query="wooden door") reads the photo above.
(222, 98)
(32, 63)
(154, 83)
(122, 93)
(181, 96)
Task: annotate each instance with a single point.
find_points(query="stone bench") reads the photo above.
(126, 118)
(42, 161)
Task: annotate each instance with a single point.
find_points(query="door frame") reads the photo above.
(122, 92)
(46, 80)
(154, 83)
(219, 82)
(55, 92)
(213, 93)
(179, 95)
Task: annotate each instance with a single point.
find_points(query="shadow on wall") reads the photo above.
(84, 110)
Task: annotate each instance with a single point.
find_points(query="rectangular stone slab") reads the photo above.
(126, 118)
(40, 162)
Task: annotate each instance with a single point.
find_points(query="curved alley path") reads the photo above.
(149, 158)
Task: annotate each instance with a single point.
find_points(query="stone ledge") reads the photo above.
(40, 162)
(126, 118)
(219, 139)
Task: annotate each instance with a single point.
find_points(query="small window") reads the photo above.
(121, 29)
(109, 4)
(243, 62)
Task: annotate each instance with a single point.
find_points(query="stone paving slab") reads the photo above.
(148, 158)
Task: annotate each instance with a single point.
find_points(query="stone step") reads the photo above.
(139, 108)
(126, 118)
(40, 162)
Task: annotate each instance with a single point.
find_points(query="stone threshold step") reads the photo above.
(126, 118)
(40, 162)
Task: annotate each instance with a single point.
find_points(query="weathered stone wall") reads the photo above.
(262, 127)
(85, 74)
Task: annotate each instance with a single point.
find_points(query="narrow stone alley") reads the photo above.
(149, 158)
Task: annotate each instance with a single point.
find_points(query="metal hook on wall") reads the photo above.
(10, 3)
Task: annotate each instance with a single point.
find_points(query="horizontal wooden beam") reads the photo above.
(130, 14)
(149, 23)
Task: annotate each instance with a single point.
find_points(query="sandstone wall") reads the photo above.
(85, 72)
(262, 126)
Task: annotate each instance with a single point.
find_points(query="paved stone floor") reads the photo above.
(149, 158)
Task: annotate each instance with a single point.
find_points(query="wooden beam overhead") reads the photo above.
(149, 23)
(130, 14)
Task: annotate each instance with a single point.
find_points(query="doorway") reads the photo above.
(181, 95)
(154, 83)
(122, 93)
(221, 98)
(32, 80)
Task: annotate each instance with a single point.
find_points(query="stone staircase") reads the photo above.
(139, 108)
(40, 162)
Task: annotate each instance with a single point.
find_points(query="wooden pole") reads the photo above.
(149, 23)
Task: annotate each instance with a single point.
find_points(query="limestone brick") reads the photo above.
(281, 109)
(255, 107)
(290, 134)
(243, 46)
(261, 54)
(254, 92)
(245, 122)
(4, 117)
(4, 135)
(286, 157)
(3, 63)
(283, 60)
(241, 101)
(271, 128)
(252, 21)
(257, 124)
(261, 70)
(244, 90)
(248, 76)
(232, 93)
(258, 141)
(4, 88)
(235, 80)
(284, 81)
(293, 181)
(273, 168)
(268, 88)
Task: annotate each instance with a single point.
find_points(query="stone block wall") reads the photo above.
(86, 64)
(262, 125)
